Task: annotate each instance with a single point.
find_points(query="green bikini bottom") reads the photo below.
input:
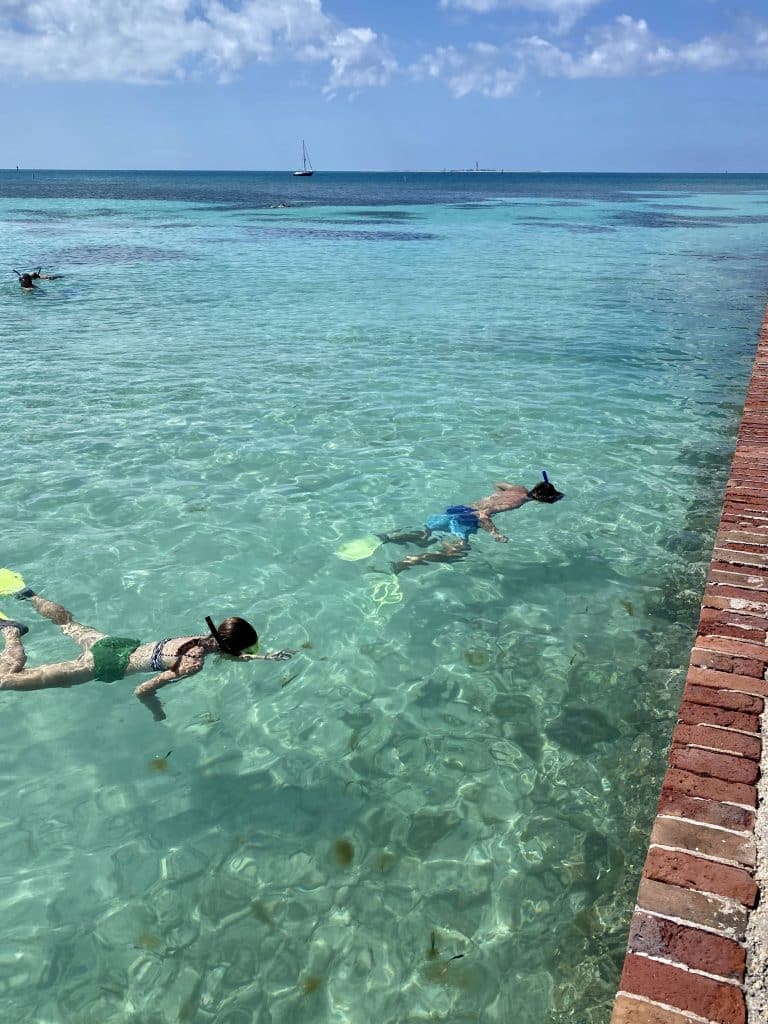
(110, 657)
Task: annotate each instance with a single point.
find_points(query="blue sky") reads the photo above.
(679, 85)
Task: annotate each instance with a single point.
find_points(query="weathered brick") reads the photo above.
(730, 624)
(725, 915)
(712, 1000)
(741, 547)
(739, 580)
(703, 840)
(754, 490)
(629, 1010)
(727, 767)
(725, 740)
(712, 812)
(748, 667)
(737, 648)
(741, 519)
(707, 788)
(732, 556)
(702, 714)
(727, 681)
(758, 537)
(688, 946)
(731, 700)
(691, 872)
(741, 572)
(748, 601)
(713, 660)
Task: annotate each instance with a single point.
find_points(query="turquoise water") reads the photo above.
(462, 760)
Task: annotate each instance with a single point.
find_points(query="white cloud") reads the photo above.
(627, 47)
(153, 40)
(357, 60)
(475, 70)
(567, 12)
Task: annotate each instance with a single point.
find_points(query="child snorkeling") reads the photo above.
(461, 521)
(108, 658)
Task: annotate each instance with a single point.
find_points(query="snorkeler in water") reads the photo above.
(461, 521)
(28, 278)
(25, 282)
(108, 658)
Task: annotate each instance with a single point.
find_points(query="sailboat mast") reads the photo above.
(306, 164)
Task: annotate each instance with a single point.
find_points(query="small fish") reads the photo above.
(312, 984)
(260, 911)
(159, 764)
(344, 852)
(433, 952)
(628, 607)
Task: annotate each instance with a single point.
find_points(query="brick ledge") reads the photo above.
(686, 960)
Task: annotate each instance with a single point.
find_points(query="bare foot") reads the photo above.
(406, 563)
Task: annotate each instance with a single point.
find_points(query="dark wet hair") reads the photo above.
(546, 492)
(236, 634)
(25, 280)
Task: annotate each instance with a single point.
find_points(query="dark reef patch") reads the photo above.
(343, 236)
(104, 254)
(655, 219)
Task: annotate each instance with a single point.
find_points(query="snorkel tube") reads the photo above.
(218, 637)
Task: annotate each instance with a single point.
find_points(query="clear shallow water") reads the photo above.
(212, 399)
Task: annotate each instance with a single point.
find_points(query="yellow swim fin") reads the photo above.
(10, 582)
(362, 547)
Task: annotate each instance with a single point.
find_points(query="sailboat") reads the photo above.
(306, 171)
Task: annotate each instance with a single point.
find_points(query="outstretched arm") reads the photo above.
(486, 523)
(147, 692)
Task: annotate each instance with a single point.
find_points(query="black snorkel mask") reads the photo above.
(545, 491)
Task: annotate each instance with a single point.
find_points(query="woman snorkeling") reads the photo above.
(108, 658)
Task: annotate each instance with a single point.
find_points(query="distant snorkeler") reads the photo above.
(28, 278)
(108, 658)
(461, 521)
(25, 282)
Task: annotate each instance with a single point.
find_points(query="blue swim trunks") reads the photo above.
(460, 520)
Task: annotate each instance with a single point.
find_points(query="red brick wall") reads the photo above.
(685, 958)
